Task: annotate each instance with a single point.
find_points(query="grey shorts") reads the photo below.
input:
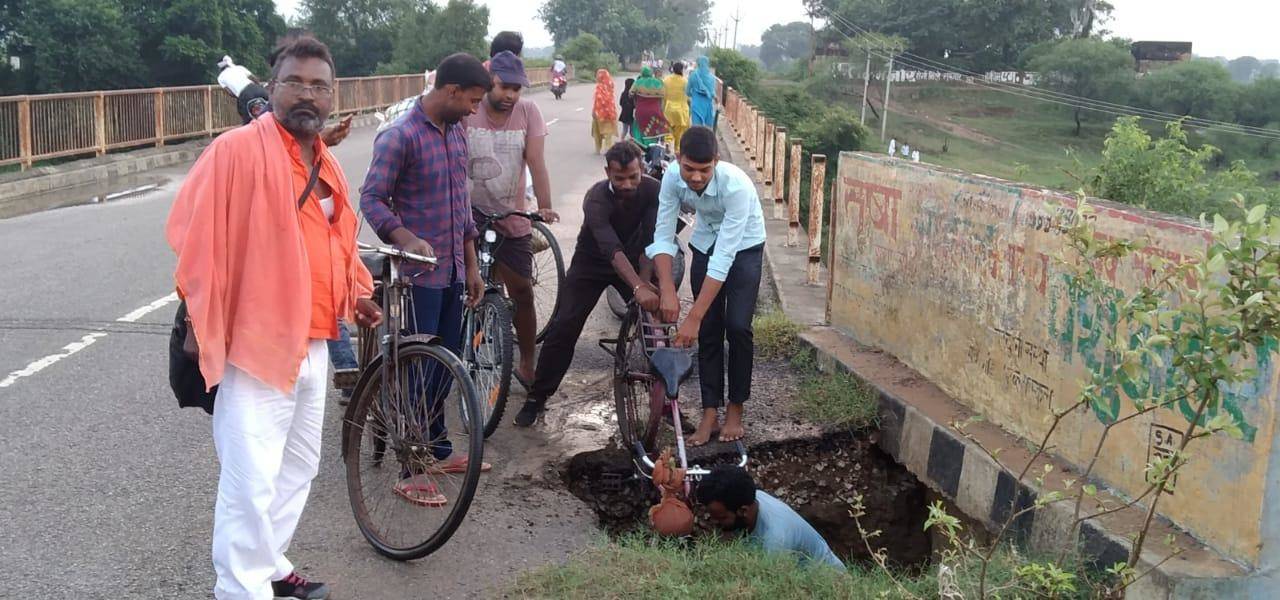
(516, 254)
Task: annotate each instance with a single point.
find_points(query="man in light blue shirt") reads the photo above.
(728, 246)
(730, 496)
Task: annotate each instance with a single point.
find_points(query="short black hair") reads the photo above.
(506, 40)
(622, 153)
(463, 70)
(678, 68)
(698, 144)
(300, 46)
(730, 485)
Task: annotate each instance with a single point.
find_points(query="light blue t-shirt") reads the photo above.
(781, 529)
(728, 211)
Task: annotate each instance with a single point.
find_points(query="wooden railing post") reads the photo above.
(831, 236)
(337, 96)
(818, 184)
(24, 132)
(793, 199)
(100, 123)
(779, 173)
(208, 111)
(159, 117)
(751, 139)
(767, 161)
(762, 125)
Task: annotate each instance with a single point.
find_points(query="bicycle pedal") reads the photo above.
(611, 482)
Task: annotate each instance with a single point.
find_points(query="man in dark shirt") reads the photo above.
(618, 218)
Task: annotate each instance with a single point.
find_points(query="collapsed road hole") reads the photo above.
(817, 477)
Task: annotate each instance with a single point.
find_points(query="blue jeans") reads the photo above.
(340, 352)
(437, 311)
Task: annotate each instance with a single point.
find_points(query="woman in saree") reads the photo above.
(604, 113)
(650, 122)
(702, 94)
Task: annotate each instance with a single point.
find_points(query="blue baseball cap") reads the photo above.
(509, 68)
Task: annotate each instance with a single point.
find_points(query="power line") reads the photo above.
(1033, 93)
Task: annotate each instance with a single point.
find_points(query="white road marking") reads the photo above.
(579, 109)
(49, 361)
(142, 312)
(82, 343)
(552, 122)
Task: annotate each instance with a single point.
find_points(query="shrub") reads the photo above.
(737, 71)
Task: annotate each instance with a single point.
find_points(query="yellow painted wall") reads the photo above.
(955, 275)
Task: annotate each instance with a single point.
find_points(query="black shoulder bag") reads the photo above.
(184, 364)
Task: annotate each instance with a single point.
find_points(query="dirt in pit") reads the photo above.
(818, 477)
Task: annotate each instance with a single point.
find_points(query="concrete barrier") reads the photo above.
(955, 275)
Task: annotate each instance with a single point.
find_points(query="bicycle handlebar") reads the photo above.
(532, 216)
(396, 252)
(697, 471)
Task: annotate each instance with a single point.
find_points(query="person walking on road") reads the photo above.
(505, 134)
(618, 218)
(701, 90)
(604, 112)
(647, 93)
(627, 103)
(676, 103)
(420, 161)
(267, 263)
(728, 245)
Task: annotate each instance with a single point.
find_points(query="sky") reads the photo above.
(1228, 28)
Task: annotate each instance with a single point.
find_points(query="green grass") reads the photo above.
(839, 399)
(640, 567)
(776, 337)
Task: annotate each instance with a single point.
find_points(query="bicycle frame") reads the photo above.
(655, 336)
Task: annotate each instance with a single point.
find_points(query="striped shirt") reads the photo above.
(418, 180)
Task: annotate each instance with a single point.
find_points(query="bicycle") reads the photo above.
(648, 372)
(403, 394)
(487, 331)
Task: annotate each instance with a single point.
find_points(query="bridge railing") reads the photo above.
(777, 161)
(41, 127)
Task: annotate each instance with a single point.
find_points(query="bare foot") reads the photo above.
(706, 428)
(733, 429)
(524, 376)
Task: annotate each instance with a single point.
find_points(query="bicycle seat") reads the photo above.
(376, 263)
(674, 365)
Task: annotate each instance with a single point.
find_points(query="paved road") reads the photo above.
(107, 488)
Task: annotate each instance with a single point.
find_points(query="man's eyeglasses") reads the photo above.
(298, 88)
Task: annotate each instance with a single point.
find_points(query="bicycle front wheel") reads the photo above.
(488, 357)
(407, 500)
(548, 275)
(639, 417)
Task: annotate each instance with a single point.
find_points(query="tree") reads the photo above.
(782, 44)
(182, 40)
(1244, 69)
(360, 33)
(1086, 67)
(621, 25)
(1260, 104)
(587, 54)
(1199, 88)
(687, 20)
(1270, 70)
(735, 70)
(79, 45)
(975, 34)
(426, 34)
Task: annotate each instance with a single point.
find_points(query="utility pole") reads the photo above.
(866, 80)
(737, 16)
(888, 79)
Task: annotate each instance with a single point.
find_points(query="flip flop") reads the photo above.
(458, 467)
(420, 491)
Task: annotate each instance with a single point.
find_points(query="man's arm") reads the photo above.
(379, 183)
(664, 247)
(535, 155)
(728, 241)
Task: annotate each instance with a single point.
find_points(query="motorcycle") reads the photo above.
(558, 85)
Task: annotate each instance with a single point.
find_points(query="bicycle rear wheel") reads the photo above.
(639, 416)
(393, 433)
(487, 354)
(548, 275)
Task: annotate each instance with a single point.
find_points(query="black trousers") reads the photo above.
(583, 283)
(728, 319)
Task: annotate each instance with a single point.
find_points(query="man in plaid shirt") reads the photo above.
(415, 196)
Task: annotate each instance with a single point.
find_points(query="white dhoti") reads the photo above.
(269, 448)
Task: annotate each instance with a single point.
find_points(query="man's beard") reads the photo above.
(303, 119)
